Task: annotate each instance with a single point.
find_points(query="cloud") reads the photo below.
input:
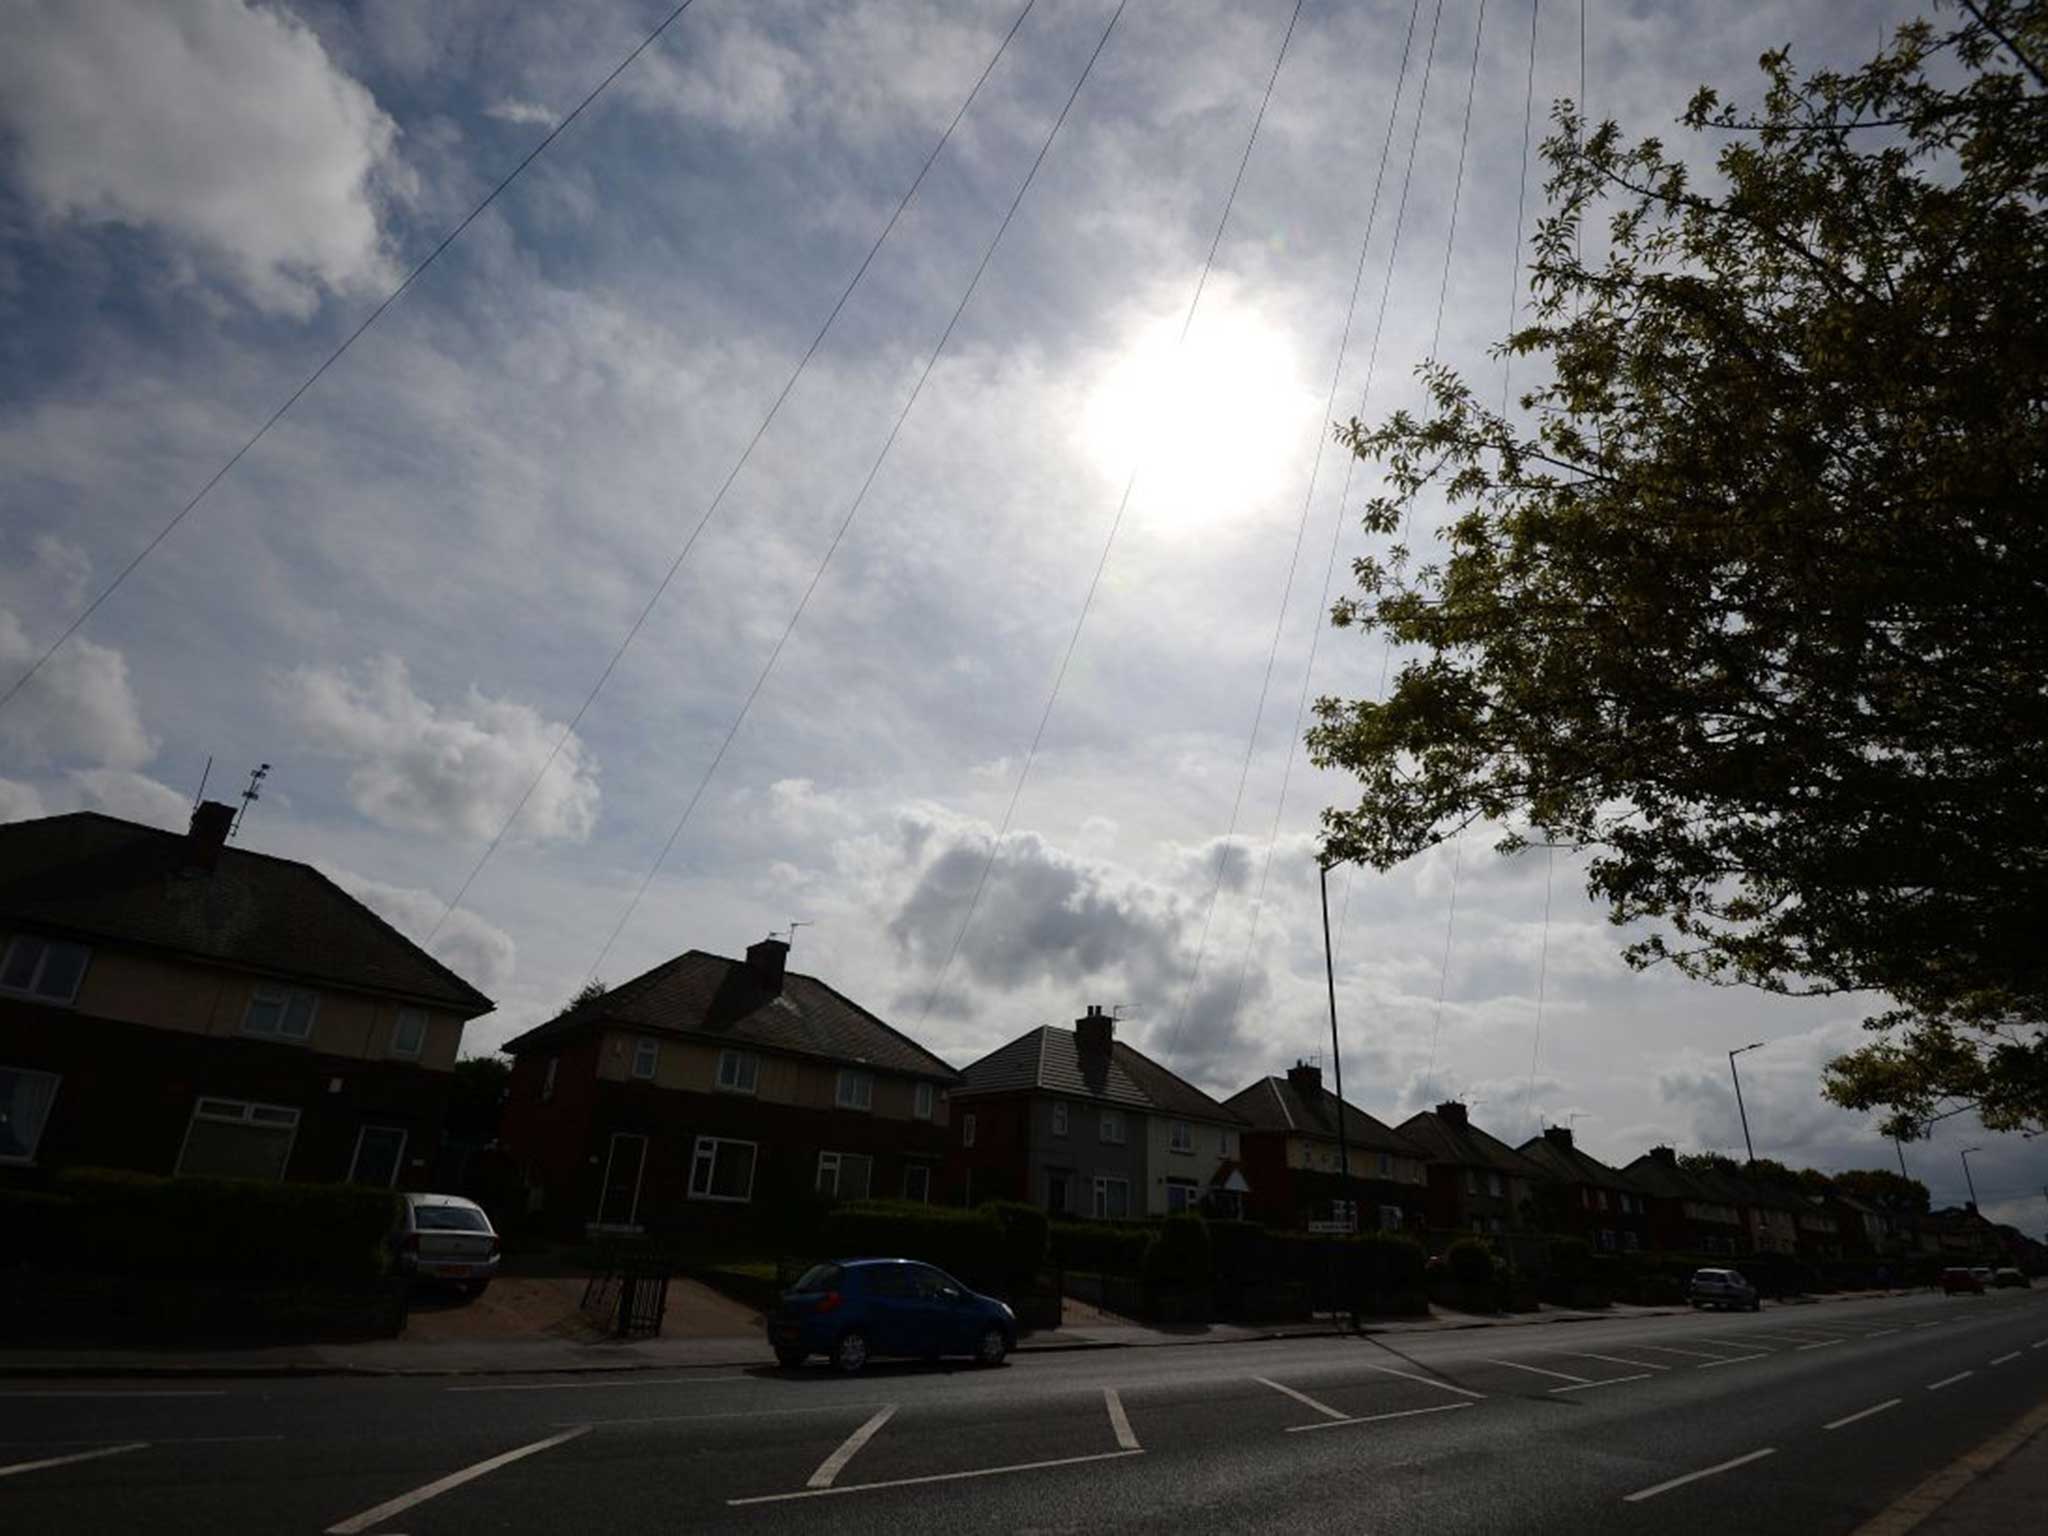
(510, 111)
(226, 127)
(477, 950)
(456, 771)
(19, 801)
(133, 797)
(79, 706)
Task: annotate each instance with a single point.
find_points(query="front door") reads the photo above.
(621, 1200)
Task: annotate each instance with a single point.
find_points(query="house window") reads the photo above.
(280, 1013)
(1390, 1218)
(856, 1090)
(1493, 1185)
(25, 1100)
(379, 1154)
(738, 1071)
(1112, 1130)
(46, 968)
(917, 1182)
(722, 1170)
(1386, 1168)
(1600, 1198)
(1223, 1144)
(409, 1033)
(646, 1057)
(229, 1139)
(845, 1175)
(1182, 1195)
(967, 1130)
(921, 1099)
(1182, 1137)
(1112, 1199)
(1059, 1119)
(1631, 1242)
(1607, 1239)
(547, 1079)
(1056, 1193)
(1471, 1181)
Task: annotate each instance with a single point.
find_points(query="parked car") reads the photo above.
(1723, 1288)
(1957, 1281)
(853, 1310)
(1983, 1273)
(449, 1239)
(2009, 1278)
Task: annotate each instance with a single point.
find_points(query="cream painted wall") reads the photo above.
(1214, 1144)
(1312, 1154)
(692, 1067)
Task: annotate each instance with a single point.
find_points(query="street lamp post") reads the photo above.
(1336, 1052)
(1739, 1109)
(1966, 1175)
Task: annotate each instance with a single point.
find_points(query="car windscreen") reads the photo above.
(819, 1277)
(448, 1218)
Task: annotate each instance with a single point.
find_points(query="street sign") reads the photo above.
(1318, 1227)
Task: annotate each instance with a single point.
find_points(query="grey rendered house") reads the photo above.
(1080, 1123)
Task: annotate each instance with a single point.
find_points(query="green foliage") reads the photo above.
(1469, 1261)
(1708, 1162)
(476, 1102)
(1100, 1247)
(1571, 1259)
(969, 1245)
(1754, 610)
(1888, 1191)
(1180, 1257)
(1025, 1228)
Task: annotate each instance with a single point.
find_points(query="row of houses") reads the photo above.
(179, 1004)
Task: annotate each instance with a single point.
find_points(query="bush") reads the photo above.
(1180, 1257)
(969, 1245)
(1024, 1236)
(1469, 1261)
(1101, 1248)
(1241, 1256)
(1570, 1260)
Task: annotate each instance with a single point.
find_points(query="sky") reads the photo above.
(403, 595)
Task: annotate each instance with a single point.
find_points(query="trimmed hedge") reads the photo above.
(1101, 1248)
(1025, 1236)
(1469, 1262)
(969, 1245)
(1180, 1258)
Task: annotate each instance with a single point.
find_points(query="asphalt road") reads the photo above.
(1801, 1419)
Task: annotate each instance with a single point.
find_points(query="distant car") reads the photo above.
(1958, 1281)
(1723, 1288)
(2009, 1278)
(1982, 1272)
(856, 1309)
(449, 1239)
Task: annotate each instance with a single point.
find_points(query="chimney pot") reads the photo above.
(1306, 1077)
(766, 960)
(1094, 1032)
(1558, 1136)
(1452, 1113)
(211, 822)
(1665, 1156)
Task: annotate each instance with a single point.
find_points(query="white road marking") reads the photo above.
(1949, 1381)
(1822, 1344)
(1878, 1333)
(1612, 1381)
(1427, 1381)
(1119, 1421)
(216, 1393)
(1375, 1418)
(1696, 1354)
(2043, 1344)
(59, 1461)
(1587, 1354)
(2003, 1358)
(830, 1468)
(1304, 1399)
(1692, 1477)
(1935, 1324)
(691, 1418)
(1731, 1360)
(1748, 1344)
(1537, 1370)
(936, 1477)
(405, 1501)
(1890, 1402)
(589, 1386)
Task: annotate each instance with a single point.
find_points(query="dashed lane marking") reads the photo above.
(1427, 1381)
(1949, 1381)
(1537, 1370)
(1304, 1399)
(1587, 1354)
(1842, 1423)
(1692, 1477)
(1749, 1344)
(1695, 1354)
(1612, 1381)
(1732, 1360)
(1822, 1344)
(374, 1517)
(2003, 1358)
(1878, 1333)
(936, 1477)
(58, 1461)
(1119, 1420)
(1376, 1418)
(830, 1468)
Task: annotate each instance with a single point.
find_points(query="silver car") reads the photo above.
(449, 1239)
(1722, 1288)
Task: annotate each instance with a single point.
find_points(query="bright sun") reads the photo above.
(1216, 421)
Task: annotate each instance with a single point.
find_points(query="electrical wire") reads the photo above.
(1109, 543)
(731, 475)
(163, 533)
(860, 496)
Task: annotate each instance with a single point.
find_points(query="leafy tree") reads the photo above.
(589, 992)
(1813, 1182)
(1884, 1189)
(1708, 1162)
(1756, 612)
(477, 1100)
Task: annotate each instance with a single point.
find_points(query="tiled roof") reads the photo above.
(1275, 1104)
(711, 997)
(1465, 1146)
(1050, 1060)
(98, 877)
(1576, 1167)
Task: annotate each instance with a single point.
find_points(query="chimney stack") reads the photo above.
(1558, 1136)
(766, 960)
(1664, 1157)
(209, 830)
(1452, 1113)
(1306, 1078)
(1094, 1032)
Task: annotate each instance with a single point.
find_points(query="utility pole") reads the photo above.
(1966, 1175)
(1739, 1109)
(1336, 1051)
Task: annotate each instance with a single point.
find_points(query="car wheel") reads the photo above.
(850, 1354)
(992, 1348)
(1756, 1304)
(789, 1359)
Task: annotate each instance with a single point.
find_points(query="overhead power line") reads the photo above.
(860, 496)
(335, 356)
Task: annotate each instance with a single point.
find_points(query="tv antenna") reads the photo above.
(795, 924)
(250, 796)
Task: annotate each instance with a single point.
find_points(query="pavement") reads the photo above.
(1911, 1410)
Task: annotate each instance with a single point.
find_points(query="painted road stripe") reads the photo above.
(1612, 1381)
(691, 1418)
(1119, 1421)
(1696, 1354)
(2003, 1358)
(2042, 1344)
(1949, 1381)
(60, 1461)
(588, 1386)
(1586, 1354)
(1823, 1344)
(1935, 1324)
(936, 1477)
(217, 1393)
(1692, 1477)
(405, 1501)
(1749, 1344)
(1537, 1370)
(1890, 1402)
(1428, 1381)
(1879, 1333)
(830, 1468)
(1375, 1418)
(1304, 1399)
(1732, 1360)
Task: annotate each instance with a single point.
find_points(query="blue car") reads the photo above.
(854, 1309)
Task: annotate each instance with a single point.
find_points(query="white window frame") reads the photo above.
(27, 1160)
(836, 1161)
(648, 1049)
(398, 1167)
(923, 1099)
(1190, 1193)
(266, 992)
(1059, 1118)
(1223, 1144)
(712, 1144)
(745, 1076)
(1112, 1121)
(417, 1016)
(547, 1079)
(967, 1129)
(1386, 1165)
(854, 1090)
(1493, 1184)
(1180, 1137)
(1103, 1184)
(924, 1195)
(42, 965)
(247, 1113)
(1391, 1217)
